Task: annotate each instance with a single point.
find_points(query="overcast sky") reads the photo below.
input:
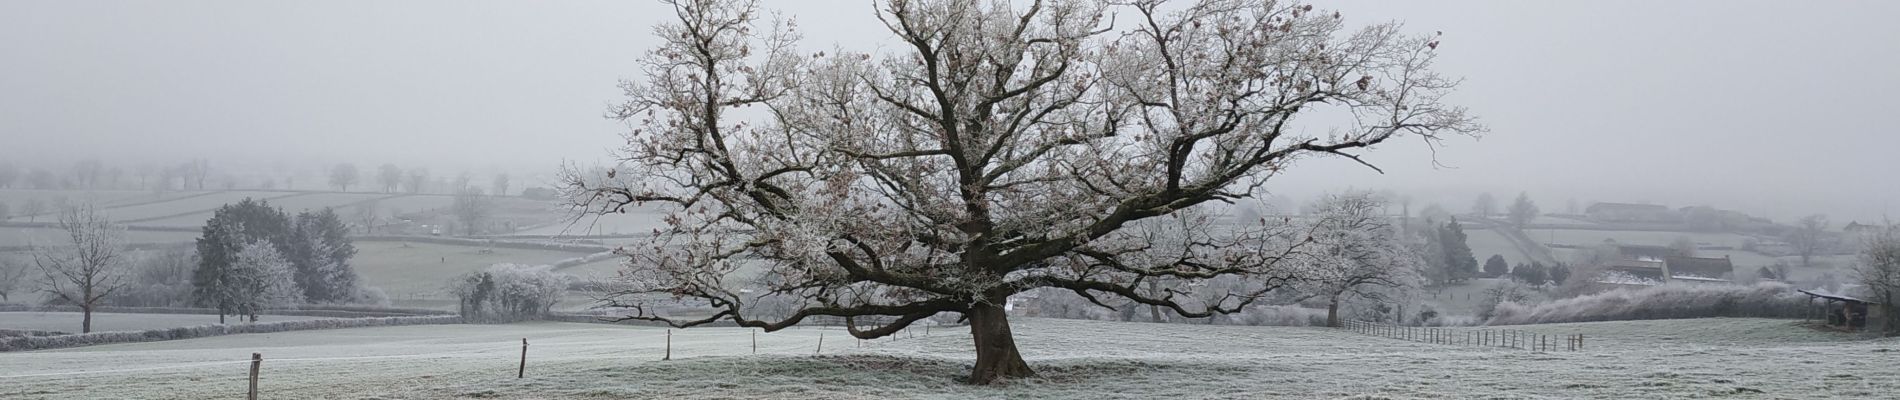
(1776, 108)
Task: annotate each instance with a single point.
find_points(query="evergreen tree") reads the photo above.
(1559, 273)
(1531, 274)
(321, 250)
(219, 282)
(1495, 266)
(1460, 264)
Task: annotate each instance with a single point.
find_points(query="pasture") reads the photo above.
(1747, 358)
(107, 322)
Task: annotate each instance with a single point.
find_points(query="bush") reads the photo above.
(1767, 300)
(508, 292)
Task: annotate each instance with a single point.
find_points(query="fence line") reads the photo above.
(1488, 337)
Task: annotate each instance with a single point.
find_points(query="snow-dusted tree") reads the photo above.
(470, 209)
(220, 280)
(12, 278)
(344, 175)
(501, 185)
(1000, 148)
(83, 267)
(1808, 237)
(366, 214)
(9, 174)
(1485, 206)
(32, 209)
(418, 178)
(262, 279)
(509, 291)
(1522, 210)
(1355, 252)
(390, 177)
(1879, 272)
(320, 250)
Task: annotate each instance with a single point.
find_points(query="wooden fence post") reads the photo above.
(821, 344)
(755, 341)
(257, 360)
(522, 371)
(669, 345)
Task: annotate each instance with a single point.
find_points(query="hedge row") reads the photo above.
(1763, 300)
(98, 338)
(510, 244)
(311, 310)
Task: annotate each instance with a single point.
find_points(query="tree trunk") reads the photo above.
(996, 355)
(1332, 312)
(85, 323)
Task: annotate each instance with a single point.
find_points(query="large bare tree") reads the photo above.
(84, 267)
(1355, 253)
(1808, 238)
(1000, 148)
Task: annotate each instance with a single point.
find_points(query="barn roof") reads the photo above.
(1699, 267)
(1830, 296)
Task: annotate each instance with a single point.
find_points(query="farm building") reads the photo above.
(1654, 265)
(1628, 212)
(1841, 311)
(1857, 227)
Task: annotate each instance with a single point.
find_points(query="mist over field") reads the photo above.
(958, 197)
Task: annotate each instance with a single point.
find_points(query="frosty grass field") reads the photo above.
(1702, 358)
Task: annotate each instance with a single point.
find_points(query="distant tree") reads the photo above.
(87, 173)
(196, 172)
(501, 185)
(1495, 266)
(1460, 264)
(1532, 274)
(320, 251)
(1559, 274)
(390, 177)
(1355, 252)
(220, 281)
(113, 177)
(84, 267)
(470, 209)
(1522, 211)
(1684, 245)
(43, 180)
(418, 178)
(1808, 237)
(344, 175)
(1509, 291)
(262, 279)
(365, 215)
(1485, 206)
(32, 209)
(12, 277)
(5, 213)
(508, 291)
(462, 182)
(9, 174)
(1879, 272)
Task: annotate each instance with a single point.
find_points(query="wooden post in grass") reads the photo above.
(257, 360)
(821, 344)
(522, 371)
(755, 341)
(669, 345)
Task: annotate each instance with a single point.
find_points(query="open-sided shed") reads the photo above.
(1839, 311)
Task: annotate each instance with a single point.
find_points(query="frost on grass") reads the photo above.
(1701, 358)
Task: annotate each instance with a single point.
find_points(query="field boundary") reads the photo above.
(190, 332)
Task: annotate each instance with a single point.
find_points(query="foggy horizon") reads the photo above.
(1735, 112)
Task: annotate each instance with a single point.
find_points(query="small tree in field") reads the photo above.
(390, 177)
(470, 209)
(1879, 272)
(84, 266)
(11, 276)
(344, 175)
(1496, 266)
(1485, 206)
(1522, 211)
(1355, 252)
(999, 148)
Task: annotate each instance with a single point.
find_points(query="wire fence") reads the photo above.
(1476, 337)
(520, 354)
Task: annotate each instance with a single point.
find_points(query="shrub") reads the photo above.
(506, 292)
(1766, 299)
